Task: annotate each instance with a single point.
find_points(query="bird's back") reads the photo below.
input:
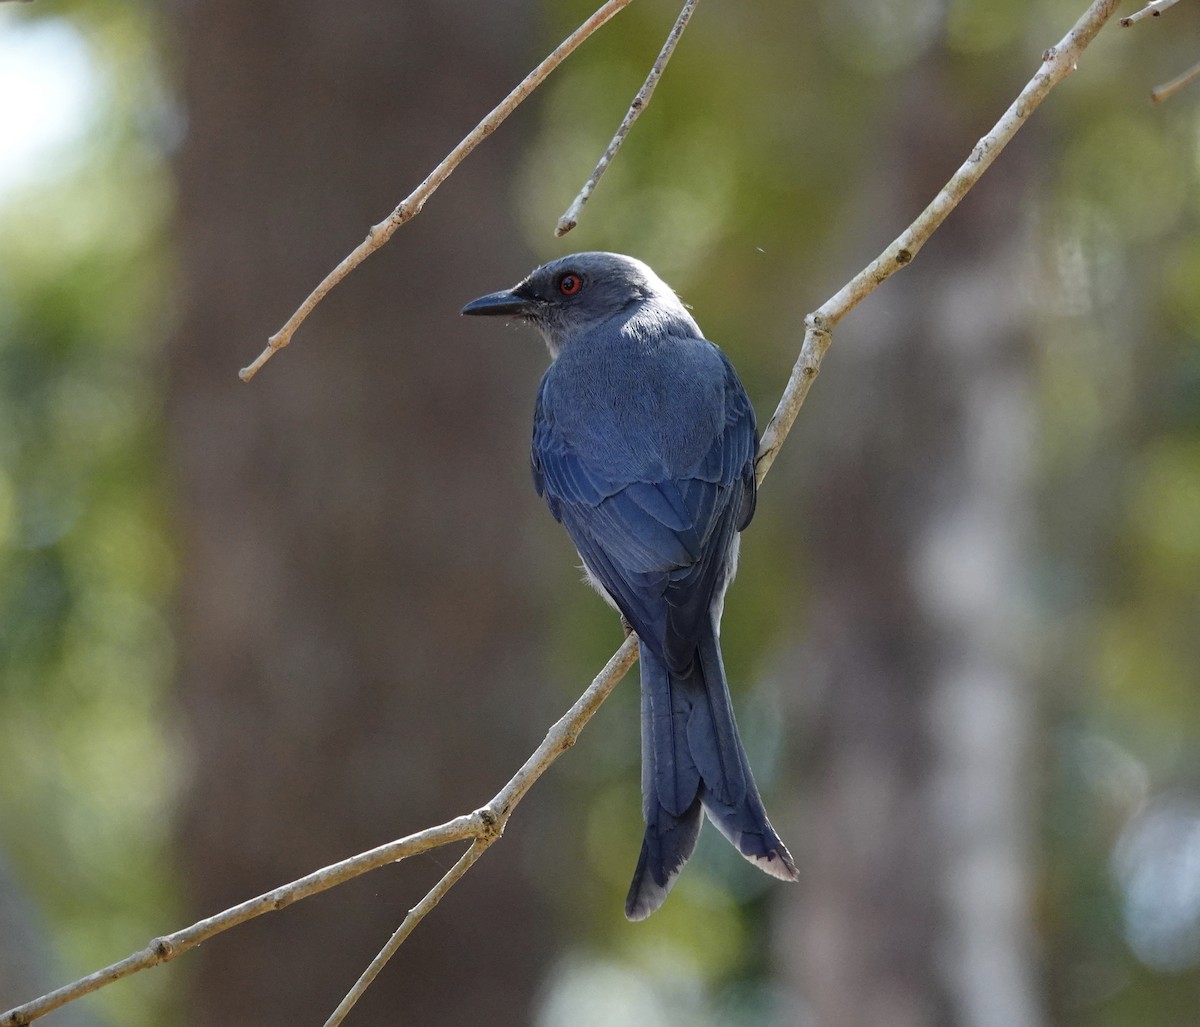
(638, 403)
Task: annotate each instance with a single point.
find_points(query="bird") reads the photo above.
(643, 448)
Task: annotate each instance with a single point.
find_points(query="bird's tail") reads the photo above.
(693, 761)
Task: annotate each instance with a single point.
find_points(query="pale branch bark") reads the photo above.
(484, 826)
(411, 205)
(1169, 89)
(1151, 10)
(1057, 63)
(571, 217)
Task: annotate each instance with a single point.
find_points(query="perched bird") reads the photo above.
(643, 448)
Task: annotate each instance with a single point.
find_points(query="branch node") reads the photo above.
(406, 211)
(163, 948)
(818, 323)
(903, 256)
(491, 823)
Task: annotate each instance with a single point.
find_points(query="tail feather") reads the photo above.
(751, 833)
(693, 761)
(712, 730)
(670, 775)
(738, 814)
(668, 843)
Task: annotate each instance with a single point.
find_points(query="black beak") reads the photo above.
(509, 303)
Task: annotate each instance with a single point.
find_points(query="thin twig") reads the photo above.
(1057, 63)
(571, 218)
(1151, 10)
(415, 916)
(486, 825)
(558, 739)
(1169, 89)
(411, 205)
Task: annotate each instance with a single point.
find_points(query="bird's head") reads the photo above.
(571, 295)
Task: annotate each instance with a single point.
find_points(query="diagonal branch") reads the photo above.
(571, 217)
(411, 205)
(415, 916)
(484, 826)
(1057, 63)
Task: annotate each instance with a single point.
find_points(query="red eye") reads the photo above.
(569, 284)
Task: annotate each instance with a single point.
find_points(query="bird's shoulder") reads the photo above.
(630, 379)
(673, 411)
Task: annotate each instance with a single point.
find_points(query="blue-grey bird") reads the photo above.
(643, 448)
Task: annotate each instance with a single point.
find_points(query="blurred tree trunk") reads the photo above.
(356, 615)
(916, 904)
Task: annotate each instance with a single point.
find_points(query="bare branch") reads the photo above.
(486, 825)
(1057, 63)
(571, 217)
(411, 205)
(1151, 10)
(482, 827)
(1169, 89)
(166, 948)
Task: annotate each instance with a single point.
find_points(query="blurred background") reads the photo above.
(247, 630)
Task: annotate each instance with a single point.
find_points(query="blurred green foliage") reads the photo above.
(85, 561)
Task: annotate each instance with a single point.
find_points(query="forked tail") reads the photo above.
(693, 760)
